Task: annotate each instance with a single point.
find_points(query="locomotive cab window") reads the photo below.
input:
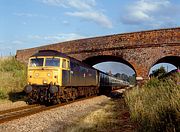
(63, 63)
(52, 62)
(35, 62)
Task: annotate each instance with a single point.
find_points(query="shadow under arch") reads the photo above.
(105, 58)
(174, 60)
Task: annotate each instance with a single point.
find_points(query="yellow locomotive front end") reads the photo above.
(44, 79)
(44, 71)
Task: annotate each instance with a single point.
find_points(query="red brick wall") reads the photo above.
(140, 49)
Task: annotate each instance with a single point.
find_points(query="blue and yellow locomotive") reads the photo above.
(55, 77)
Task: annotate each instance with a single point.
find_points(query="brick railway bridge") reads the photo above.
(138, 50)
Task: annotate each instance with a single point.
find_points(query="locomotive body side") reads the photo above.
(83, 80)
(83, 75)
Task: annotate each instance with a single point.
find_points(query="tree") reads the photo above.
(132, 79)
(158, 72)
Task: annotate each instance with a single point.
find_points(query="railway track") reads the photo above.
(11, 114)
(16, 113)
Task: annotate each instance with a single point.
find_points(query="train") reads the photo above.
(53, 77)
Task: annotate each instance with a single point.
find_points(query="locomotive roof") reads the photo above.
(49, 53)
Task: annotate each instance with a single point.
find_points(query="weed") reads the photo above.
(12, 77)
(3, 95)
(156, 106)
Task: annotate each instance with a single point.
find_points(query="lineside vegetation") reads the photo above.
(156, 105)
(12, 77)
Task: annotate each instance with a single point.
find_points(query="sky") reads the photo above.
(31, 23)
(116, 67)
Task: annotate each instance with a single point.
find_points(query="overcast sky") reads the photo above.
(32, 23)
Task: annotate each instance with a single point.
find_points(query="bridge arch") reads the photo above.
(107, 58)
(174, 60)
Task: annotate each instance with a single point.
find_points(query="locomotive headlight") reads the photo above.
(37, 74)
(48, 74)
(44, 81)
(30, 73)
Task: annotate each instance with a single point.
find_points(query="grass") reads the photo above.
(12, 77)
(156, 106)
(112, 116)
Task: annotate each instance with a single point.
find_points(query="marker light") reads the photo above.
(48, 74)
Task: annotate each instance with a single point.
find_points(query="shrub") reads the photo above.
(159, 72)
(3, 95)
(12, 76)
(10, 64)
(156, 106)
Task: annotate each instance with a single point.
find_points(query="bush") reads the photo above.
(156, 106)
(159, 72)
(3, 95)
(12, 76)
(10, 64)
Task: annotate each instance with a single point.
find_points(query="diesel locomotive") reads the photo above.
(55, 77)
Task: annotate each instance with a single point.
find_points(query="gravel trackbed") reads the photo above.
(56, 119)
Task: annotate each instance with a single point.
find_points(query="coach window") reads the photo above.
(63, 63)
